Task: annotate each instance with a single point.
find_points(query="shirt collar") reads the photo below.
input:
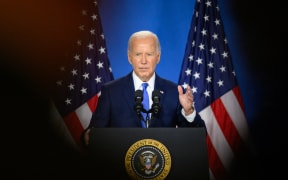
(137, 81)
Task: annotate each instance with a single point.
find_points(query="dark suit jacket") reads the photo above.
(115, 106)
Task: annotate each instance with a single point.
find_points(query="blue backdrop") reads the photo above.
(171, 20)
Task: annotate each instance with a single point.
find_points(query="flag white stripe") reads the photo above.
(84, 115)
(211, 175)
(236, 113)
(218, 140)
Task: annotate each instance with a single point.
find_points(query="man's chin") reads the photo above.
(145, 76)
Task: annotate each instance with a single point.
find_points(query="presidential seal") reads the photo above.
(148, 159)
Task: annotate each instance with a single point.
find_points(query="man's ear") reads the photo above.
(158, 60)
(129, 59)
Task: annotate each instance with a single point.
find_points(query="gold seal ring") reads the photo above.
(148, 159)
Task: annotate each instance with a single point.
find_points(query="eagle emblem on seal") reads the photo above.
(148, 161)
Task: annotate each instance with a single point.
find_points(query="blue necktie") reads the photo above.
(145, 103)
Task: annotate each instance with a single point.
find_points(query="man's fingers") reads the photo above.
(180, 90)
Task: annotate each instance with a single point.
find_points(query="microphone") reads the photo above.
(138, 96)
(156, 101)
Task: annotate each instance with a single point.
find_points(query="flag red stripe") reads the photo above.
(225, 123)
(74, 126)
(215, 163)
(92, 103)
(237, 93)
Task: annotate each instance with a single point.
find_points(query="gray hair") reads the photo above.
(143, 34)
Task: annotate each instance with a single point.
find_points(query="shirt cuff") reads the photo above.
(190, 118)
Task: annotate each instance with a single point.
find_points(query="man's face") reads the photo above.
(144, 57)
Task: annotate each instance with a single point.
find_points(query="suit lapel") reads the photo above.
(128, 91)
(159, 85)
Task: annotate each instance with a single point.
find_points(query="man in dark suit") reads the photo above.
(116, 104)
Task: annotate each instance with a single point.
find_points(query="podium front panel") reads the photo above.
(111, 148)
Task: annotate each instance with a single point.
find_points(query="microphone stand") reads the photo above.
(154, 111)
(139, 107)
(147, 119)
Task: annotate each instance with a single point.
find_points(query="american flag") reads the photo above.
(207, 68)
(88, 68)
